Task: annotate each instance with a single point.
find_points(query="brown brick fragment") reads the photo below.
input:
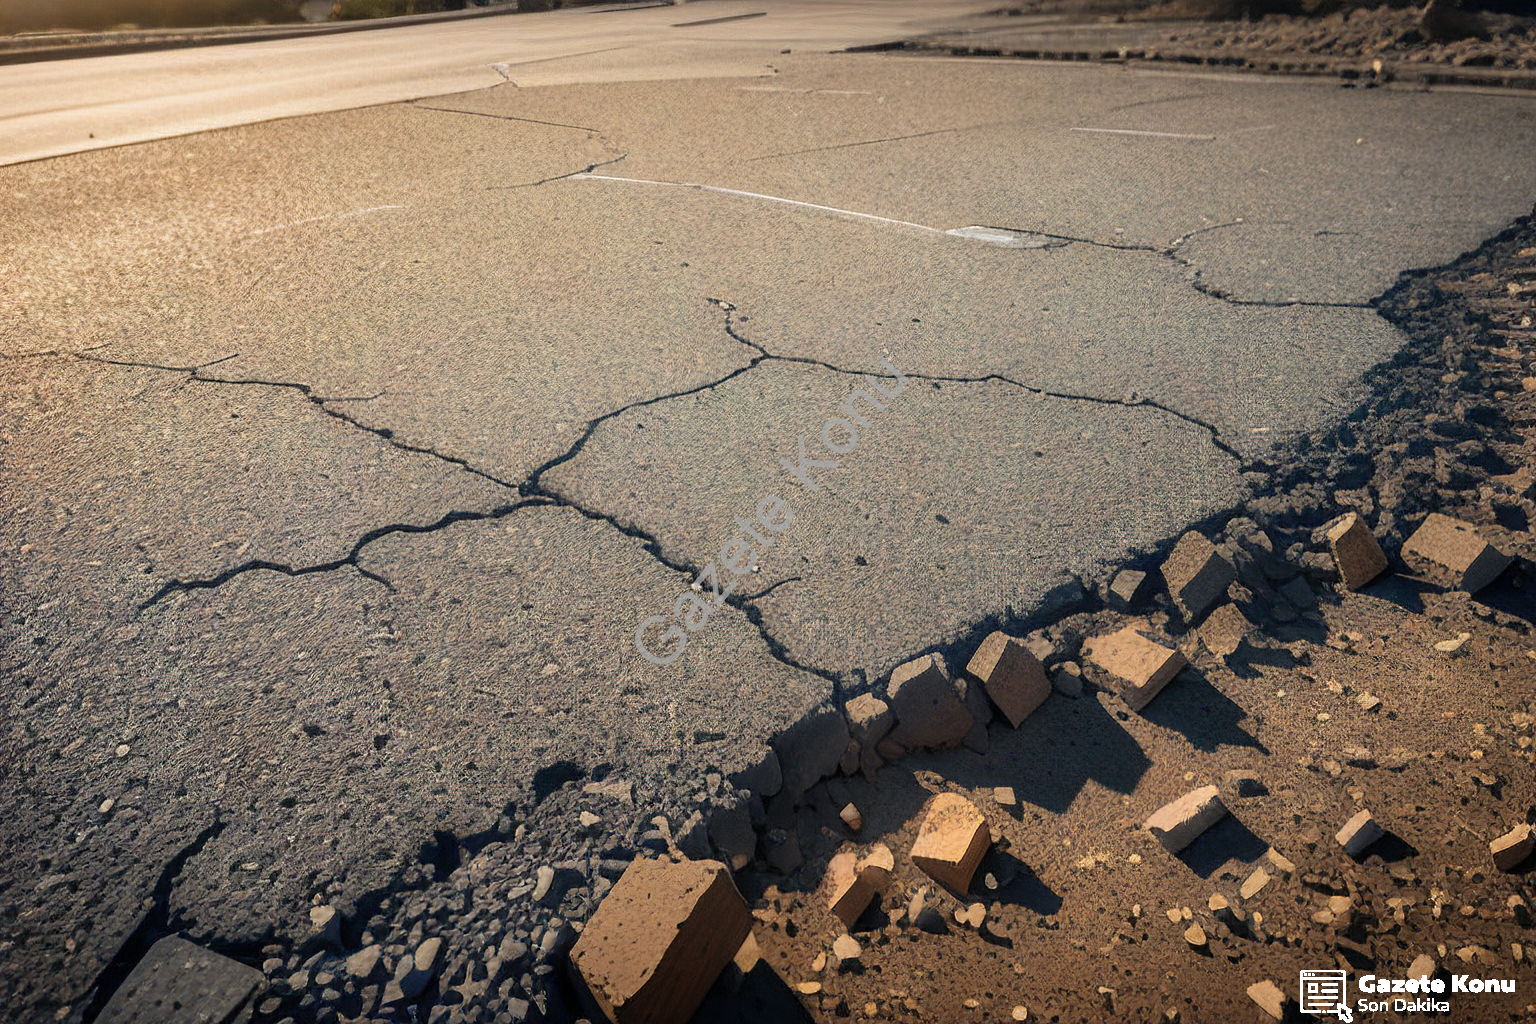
(1011, 676)
(1355, 552)
(1139, 666)
(1197, 575)
(658, 941)
(952, 840)
(1452, 553)
(1513, 847)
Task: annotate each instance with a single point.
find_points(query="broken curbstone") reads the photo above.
(1452, 553)
(810, 750)
(1142, 667)
(1356, 555)
(1178, 824)
(853, 882)
(1358, 833)
(929, 710)
(1197, 575)
(1513, 847)
(656, 944)
(951, 841)
(870, 720)
(1126, 589)
(1011, 676)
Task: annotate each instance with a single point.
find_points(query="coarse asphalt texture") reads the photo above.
(343, 454)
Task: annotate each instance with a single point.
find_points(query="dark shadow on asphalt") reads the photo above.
(1391, 848)
(1204, 715)
(1227, 840)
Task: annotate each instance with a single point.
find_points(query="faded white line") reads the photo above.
(759, 195)
(325, 216)
(1155, 135)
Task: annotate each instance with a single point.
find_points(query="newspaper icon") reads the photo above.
(1324, 992)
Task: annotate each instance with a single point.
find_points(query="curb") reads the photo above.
(1410, 74)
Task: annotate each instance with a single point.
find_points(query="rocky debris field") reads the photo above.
(1426, 45)
(1299, 738)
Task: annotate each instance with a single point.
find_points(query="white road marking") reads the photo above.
(326, 216)
(990, 236)
(1155, 135)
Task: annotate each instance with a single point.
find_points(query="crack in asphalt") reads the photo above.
(156, 919)
(418, 104)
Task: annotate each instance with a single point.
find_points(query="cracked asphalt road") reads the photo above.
(343, 453)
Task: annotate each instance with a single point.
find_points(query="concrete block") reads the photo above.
(180, 983)
(811, 749)
(1356, 554)
(1224, 630)
(1513, 847)
(1180, 823)
(659, 940)
(1197, 575)
(929, 709)
(1011, 675)
(1358, 833)
(1452, 553)
(1139, 666)
(1126, 589)
(951, 841)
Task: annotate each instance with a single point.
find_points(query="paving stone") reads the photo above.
(1140, 667)
(1178, 824)
(1358, 833)
(1513, 847)
(1126, 589)
(951, 841)
(661, 938)
(929, 709)
(1197, 575)
(1224, 630)
(1356, 555)
(178, 982)
(1010, 675)
(1452, 553)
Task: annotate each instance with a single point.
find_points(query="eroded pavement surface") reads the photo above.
(343, 454)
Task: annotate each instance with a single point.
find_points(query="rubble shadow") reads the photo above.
(1227, 840)
(759, 996)
(1407, 592)
(1193, 707)
(1512, 594)
(1390, 848)
(1052, 755)
(1018, 884)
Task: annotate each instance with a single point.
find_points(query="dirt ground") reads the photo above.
(1322, 711)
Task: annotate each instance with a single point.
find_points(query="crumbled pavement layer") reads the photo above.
(1334, 705)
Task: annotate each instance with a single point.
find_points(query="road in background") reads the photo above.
(57, 107)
